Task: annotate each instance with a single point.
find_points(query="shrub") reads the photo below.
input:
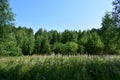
(58, 48)
(71, 48)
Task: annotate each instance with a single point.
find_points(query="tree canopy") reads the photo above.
(6, 14)
(15, 41)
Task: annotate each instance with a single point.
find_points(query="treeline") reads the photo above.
(22, 41)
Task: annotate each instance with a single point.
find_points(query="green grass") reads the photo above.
(59, 67)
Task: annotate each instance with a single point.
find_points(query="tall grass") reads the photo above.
(59, 67)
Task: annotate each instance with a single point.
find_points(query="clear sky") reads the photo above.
(60, 14)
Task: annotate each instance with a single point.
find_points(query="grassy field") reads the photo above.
(59, 67)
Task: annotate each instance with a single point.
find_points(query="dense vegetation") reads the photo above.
(22, 41)
(15, 41)
(19, 41)
(60, 68)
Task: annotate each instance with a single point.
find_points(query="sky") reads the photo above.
(60, 14)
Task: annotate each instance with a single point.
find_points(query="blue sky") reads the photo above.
(60, 14)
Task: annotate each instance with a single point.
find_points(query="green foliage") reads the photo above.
(42, 45)
(94, 44)
(102, 41)
(8, 43)
(22, 40)
(84, 37)
(81, 49)
(90, 43)
(6, 15)
(109, 35)
(60, 68)
(45, 47)
(69, 36)
(71, 48)
(55, 37)
(25, 40)
(108, 22)
(58, 48)
(65, 49)
(38, 46)
(82, 42)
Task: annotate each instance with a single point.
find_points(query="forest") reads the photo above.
(16, 41)
(52, 55)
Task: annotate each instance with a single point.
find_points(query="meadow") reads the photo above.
(58, 67)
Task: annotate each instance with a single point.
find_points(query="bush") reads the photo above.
(71, 48)
(58, 48)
